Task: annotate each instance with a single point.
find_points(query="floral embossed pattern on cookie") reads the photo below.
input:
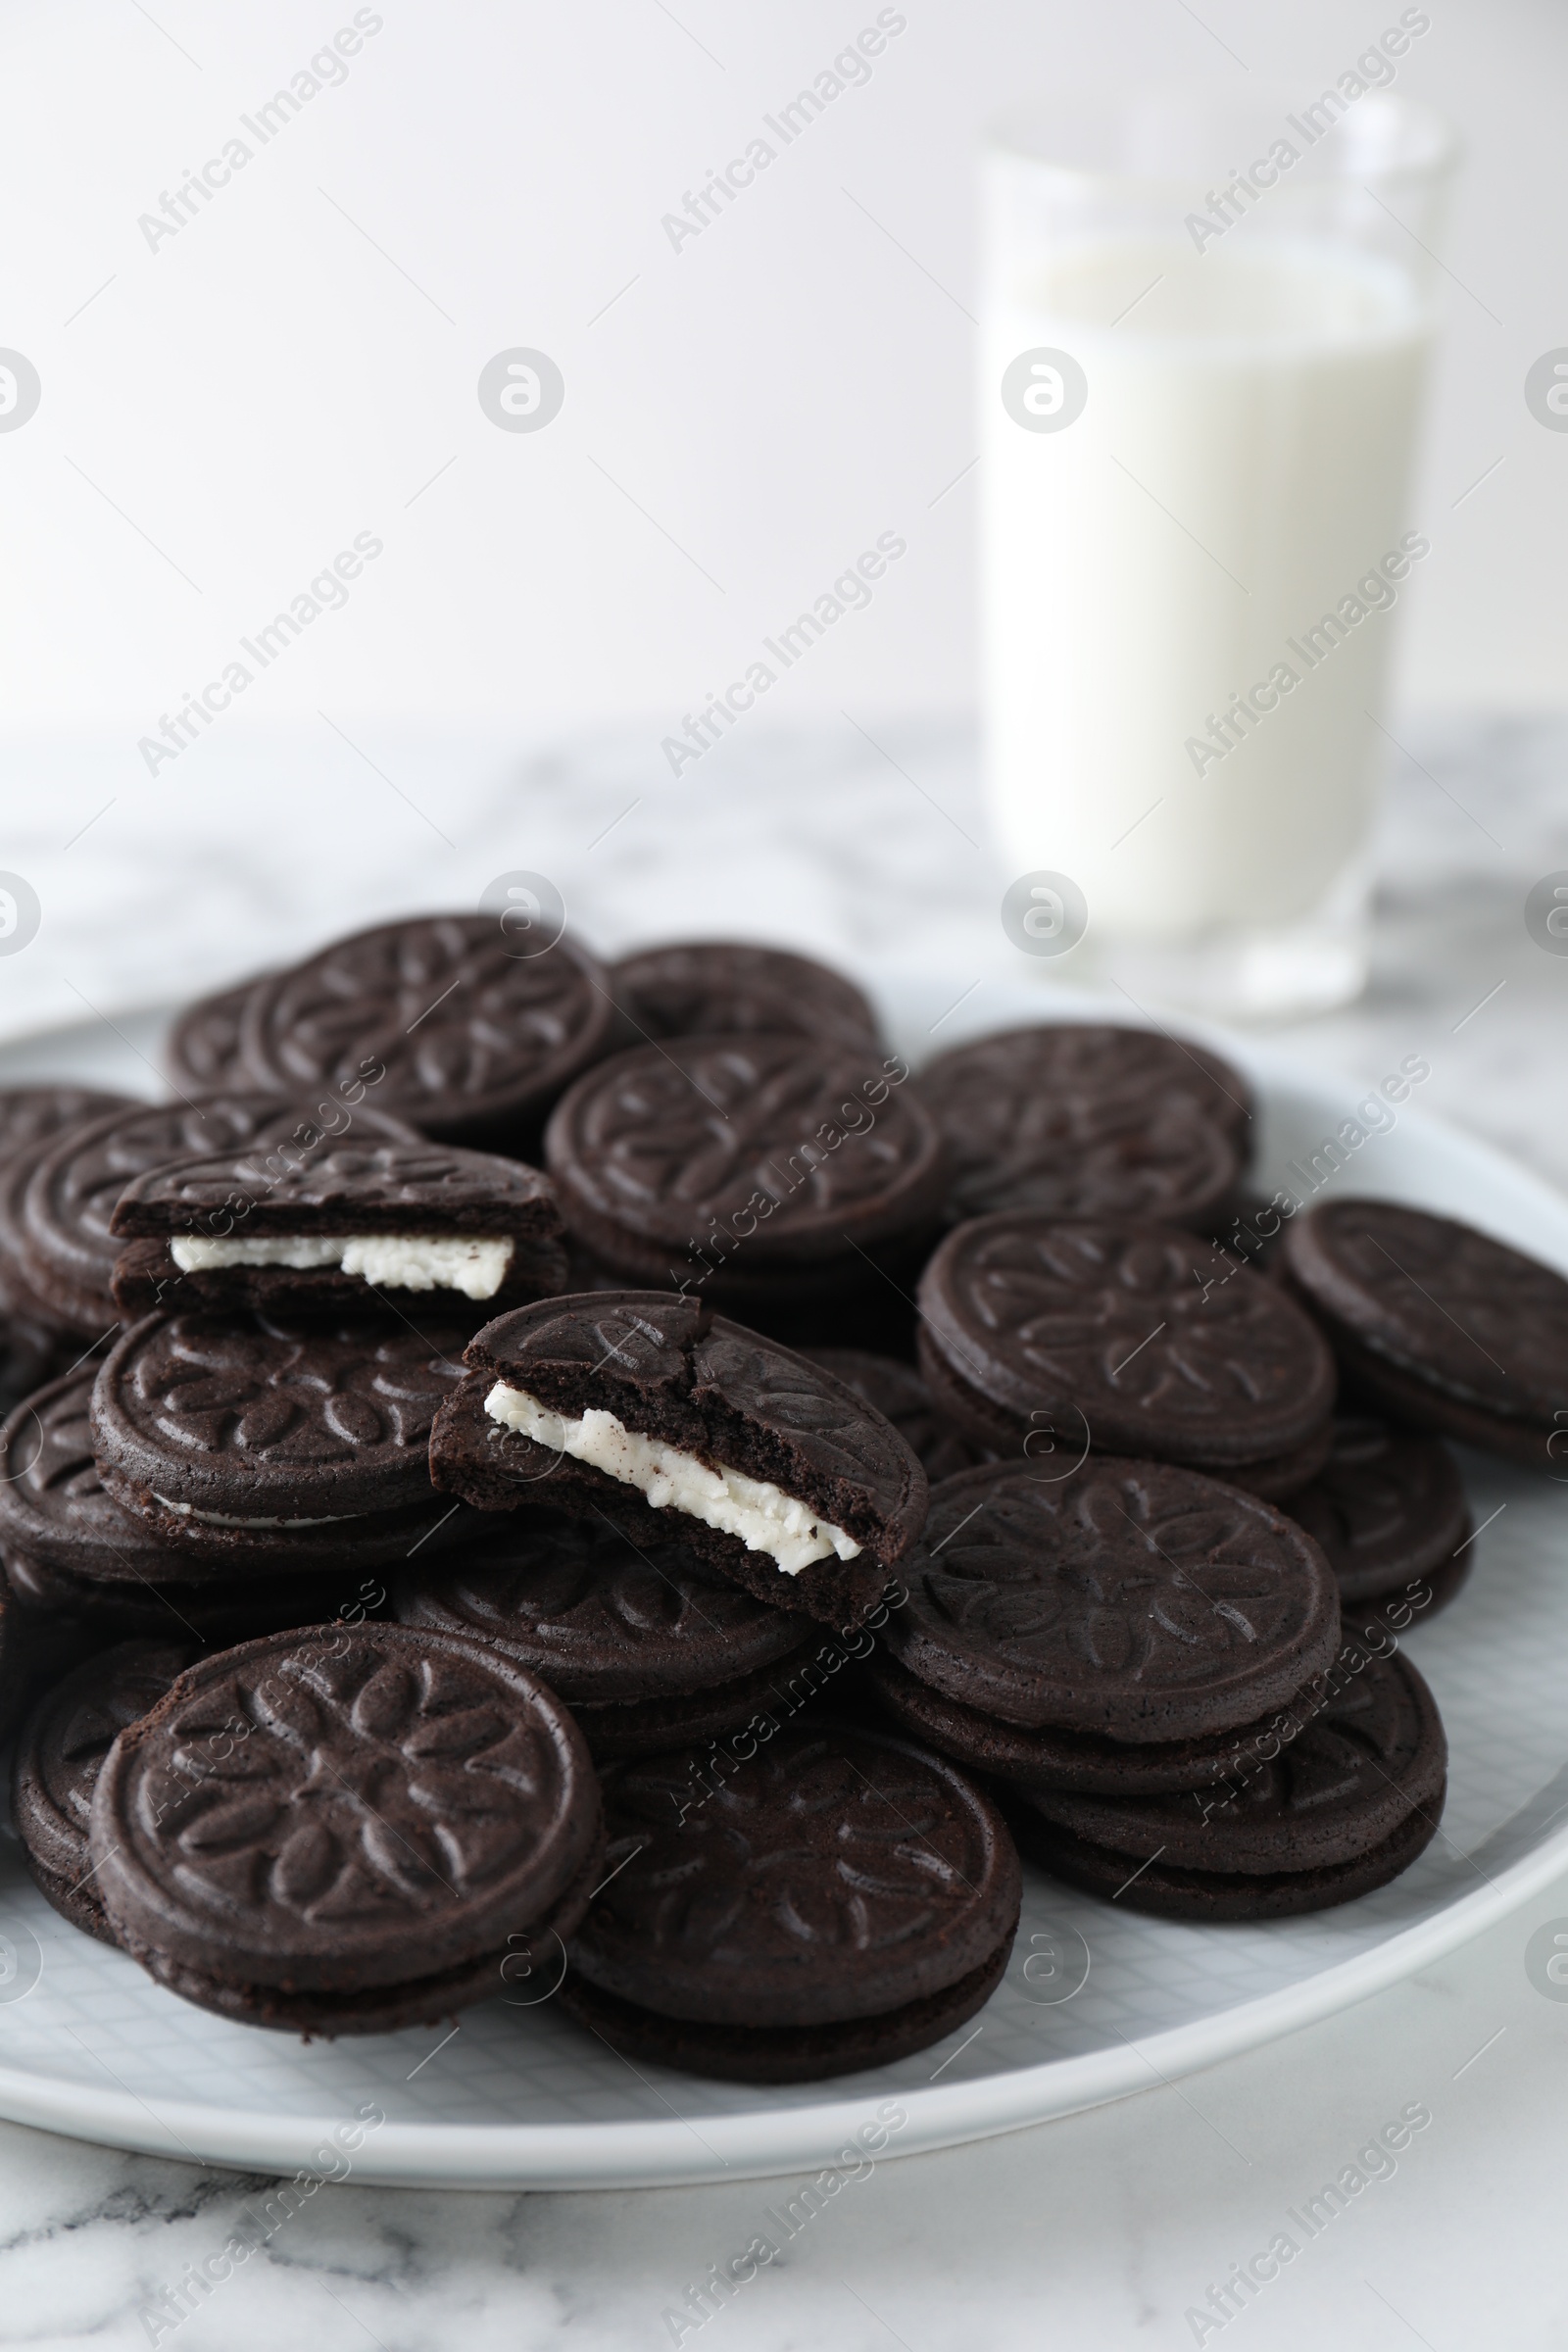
(470, 1035)
(1131, 1599)
(1439, 1324)
(1152, 1337)
(832, 1876)
(304, 1442)
(794, 1151)
(310, 1810)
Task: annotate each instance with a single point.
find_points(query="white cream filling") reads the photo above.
(763, 1515)
(188, 1511)
(474, 1265)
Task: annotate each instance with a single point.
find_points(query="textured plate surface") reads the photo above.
(90, 2047)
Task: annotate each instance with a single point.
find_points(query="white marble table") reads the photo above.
(1109, 2229)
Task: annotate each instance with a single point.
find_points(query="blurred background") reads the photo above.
(236, 387)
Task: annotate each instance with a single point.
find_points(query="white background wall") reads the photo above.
(300, 361)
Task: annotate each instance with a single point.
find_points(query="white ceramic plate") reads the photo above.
(518, 2096)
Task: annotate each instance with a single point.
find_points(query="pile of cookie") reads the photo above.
(531, 1472)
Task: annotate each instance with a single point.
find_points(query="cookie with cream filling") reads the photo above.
(691, 1429)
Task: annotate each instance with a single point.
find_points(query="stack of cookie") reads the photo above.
(844, 1898)
(1150, 1666)
(293, 1291)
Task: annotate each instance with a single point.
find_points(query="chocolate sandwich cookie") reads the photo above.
(31, 1119)
(370, 1224)
(59, 1754)
(1078, 1154)
(991, 1086)
(1346, 1807)
(1440, 1326)
(685, 1428)
(244, 1443)
(202, 1051)
(841, 1900)
(475, 1041)
(70, 1549)
(748, 1169)
(345, 1832)
(1388, 1510)
(1132, 1338)
(1129, 1600)
(712, 988)
(1048, 1758)
(647, 1647)
(67, 1250)
(901, 1395)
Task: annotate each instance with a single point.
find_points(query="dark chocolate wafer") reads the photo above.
(372, 1226)
(1388, 1507)
(67, 1248)
(1146, 1339)
(1048, 1758)
(1132, 1601)
(367, 1812)
(1439, 1325)
(53, 1508)
(648, 1647)
(203, 1051)
(1341, 1808)
(1079, 1154)
(59, 1756)
(843, 1898)
(986, 1090)
(687, 1428)
(475, 1039)
(251, 1443)
(748, 1166)
(31, 1119)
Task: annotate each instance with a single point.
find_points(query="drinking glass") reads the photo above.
(1206, 333)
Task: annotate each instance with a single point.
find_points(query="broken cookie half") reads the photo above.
(387, 1223)
(680, 1426)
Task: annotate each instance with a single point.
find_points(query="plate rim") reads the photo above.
(650, 2155)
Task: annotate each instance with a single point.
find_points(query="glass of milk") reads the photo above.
(1204, 338)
